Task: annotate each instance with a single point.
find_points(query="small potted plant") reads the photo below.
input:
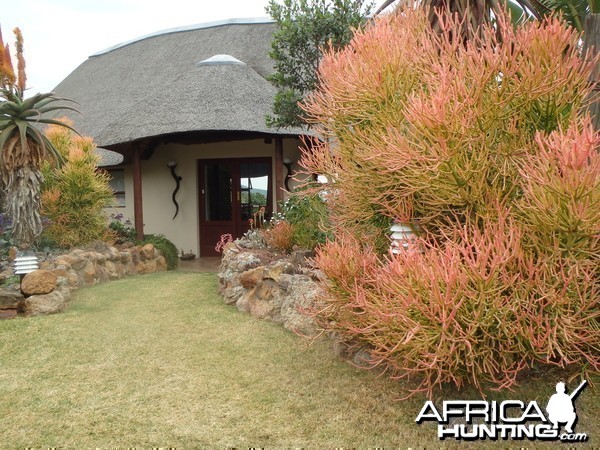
(186, 256)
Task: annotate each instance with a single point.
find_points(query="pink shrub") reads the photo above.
(561, 191)
(280, 236)
(480, 145)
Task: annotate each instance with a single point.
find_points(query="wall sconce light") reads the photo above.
(287, 162)
(172, 165)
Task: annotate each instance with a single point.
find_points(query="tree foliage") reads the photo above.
(304, 29)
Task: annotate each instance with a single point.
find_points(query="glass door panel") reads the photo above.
(218, 192)
(254, 192)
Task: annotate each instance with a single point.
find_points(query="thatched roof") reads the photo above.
(154, 86)
(106, 158)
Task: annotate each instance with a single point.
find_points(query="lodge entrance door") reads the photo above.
(231, 193)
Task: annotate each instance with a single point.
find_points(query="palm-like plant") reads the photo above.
(474, 12)
(23, 147)
(478, 12)
(574, 12)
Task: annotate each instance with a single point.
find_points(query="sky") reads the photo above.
(59, 35)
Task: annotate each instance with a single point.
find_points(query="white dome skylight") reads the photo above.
(218, 60)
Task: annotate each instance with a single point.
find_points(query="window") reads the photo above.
(117, 184)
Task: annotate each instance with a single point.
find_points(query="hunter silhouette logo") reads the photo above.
(560, 407)
(508, 419)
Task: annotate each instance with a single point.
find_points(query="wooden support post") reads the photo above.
(138, 208)
(278, 171)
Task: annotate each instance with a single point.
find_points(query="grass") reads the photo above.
(159, 361)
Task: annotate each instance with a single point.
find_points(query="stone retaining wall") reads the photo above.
(47, 290)
(280, 290)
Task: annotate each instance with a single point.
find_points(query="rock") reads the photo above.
(111, 269)
(275, 292)
(135, 254)
(242, 303)
(9, 298)
(65, 260)
(363, 359)
(341, 349)
(8, 313)
(100, 258)
(46, 265)
(276, 269)
(250, 278)
(151, 266)
(38, 282)
(161, 264)
(76, 253)
(231, 290)
(38, 305)
(141, 267)
(60, 272)
(246, 261)
(102, 274)
(264, 301)
(113, 253)
(301, 294)
(62, 283)
(12, 254)
(147, 252)
(73, 279)
(48, 289)
(86, 273)
(299, 257)
(80, 263)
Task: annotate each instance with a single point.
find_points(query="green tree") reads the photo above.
(23, 147)
(304, 29)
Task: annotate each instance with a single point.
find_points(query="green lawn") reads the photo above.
(158, 360)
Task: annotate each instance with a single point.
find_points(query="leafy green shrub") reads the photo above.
(165, 246)
(307, 214)
(480, 145)
(124, 231)
(74, 196)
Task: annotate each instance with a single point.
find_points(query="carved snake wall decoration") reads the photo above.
(177, 179)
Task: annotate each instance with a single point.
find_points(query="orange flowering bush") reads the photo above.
(280, 236)
(481, 145)
(74, 196)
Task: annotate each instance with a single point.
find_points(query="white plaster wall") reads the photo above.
(158, 185)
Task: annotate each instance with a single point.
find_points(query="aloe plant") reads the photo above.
(23, 146)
